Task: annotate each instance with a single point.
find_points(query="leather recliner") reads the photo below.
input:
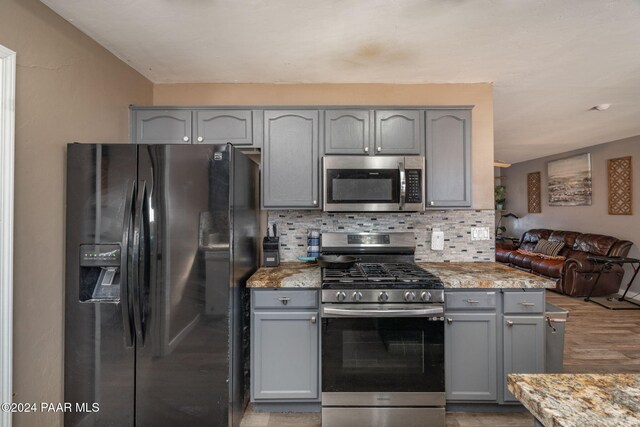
(575, 275)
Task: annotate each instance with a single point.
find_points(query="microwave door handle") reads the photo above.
(403, 184)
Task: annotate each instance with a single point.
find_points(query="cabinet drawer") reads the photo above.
(523, 302)
(470, 300)
(285, 299)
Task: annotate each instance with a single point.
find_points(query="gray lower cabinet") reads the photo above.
(347, 132)
(398, 132)
(290, 160)
(470, 356)
(448, 157)
(285, 346)
(161, 126)
(224, 126)
(524, 342)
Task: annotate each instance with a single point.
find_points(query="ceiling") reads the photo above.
(550, 61)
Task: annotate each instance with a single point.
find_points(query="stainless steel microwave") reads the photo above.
(373, 184)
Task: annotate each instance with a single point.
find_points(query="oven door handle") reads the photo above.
(403, 185)
(414, 312)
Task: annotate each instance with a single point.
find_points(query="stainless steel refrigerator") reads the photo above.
(160, 240)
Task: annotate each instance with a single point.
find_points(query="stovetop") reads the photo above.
(367, 275)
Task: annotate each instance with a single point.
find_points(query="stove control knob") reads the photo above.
(340, 296)
(410, 296)
(357, 296)
(425, 296)
(383, 297)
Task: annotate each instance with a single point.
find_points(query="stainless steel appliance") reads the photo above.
(369, 184)
(382, 335)
(160, 240)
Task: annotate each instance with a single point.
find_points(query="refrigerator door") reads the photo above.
(182, 295)
(99, 353)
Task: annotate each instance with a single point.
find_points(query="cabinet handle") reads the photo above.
(284, 300)
(313, 319)
(200, 139)
(431, 203)
(185, 139)
(449, 320)
(509, 322)
(527, 304)
(473, 301)
(366, 149)
(315, 202)
(379, 149)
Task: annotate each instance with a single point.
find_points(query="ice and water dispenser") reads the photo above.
(100, 273)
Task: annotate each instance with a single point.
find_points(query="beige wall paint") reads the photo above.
(69, 89)
(591, 219)
(479, 95)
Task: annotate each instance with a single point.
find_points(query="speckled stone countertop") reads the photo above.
(287, 275)
(578, 400)
(455, 275)
(484, 275)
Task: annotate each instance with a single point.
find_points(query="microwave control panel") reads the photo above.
(414, 186)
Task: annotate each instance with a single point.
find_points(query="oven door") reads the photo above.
(382, 355)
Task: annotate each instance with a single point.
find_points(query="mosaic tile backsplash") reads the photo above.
(456, 224)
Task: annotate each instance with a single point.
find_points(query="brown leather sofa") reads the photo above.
(574, 275)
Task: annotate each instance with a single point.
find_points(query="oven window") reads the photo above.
(362, 185)
(382, 355)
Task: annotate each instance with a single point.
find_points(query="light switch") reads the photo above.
(437, 240)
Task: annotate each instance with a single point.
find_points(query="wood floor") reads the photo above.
(597, 340)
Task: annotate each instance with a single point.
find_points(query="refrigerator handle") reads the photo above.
(125, 273)
(140, 260)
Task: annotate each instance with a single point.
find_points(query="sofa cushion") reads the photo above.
(502, 252)
(521, 260)
(547, 267)
(596, 244)
(568, 237)
(546, 247)
(532, 236)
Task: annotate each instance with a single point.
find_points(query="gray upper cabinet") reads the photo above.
(290, 159)
(162, 126)
(470, 356)
(347, 131)
(524, 341)
(448, 153)
(398, 132)
(223, 126)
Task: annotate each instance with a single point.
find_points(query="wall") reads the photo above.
(479, 95)
(68, 89)
(456, 224)
(594, 218)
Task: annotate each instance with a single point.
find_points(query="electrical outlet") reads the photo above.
(480, 233)
(437, 240)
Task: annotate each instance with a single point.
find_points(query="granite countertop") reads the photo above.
(287, 275)
(485, 275)
(577, 400)
(458, 275)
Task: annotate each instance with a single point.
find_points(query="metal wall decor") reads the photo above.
(569, 181)
(620, 186)
(534, 196)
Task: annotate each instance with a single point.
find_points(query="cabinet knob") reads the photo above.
(366, 149)
(449, 320)
(185, 139)
(315, 202)
(200, 139)
(431, 203)
(379, 149)
(509, 322)
(313, 319)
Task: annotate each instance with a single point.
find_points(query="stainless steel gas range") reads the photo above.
(382, 335)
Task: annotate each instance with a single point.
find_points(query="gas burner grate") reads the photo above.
(372, 275)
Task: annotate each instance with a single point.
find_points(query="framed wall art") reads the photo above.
(569, 181)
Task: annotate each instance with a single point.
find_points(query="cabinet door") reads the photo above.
(162, 126)
(470, 356)
(346, 132)
(448, 156)
(290, 159)
(399, 132)
(223, 126)
(523, 348)
(285, 358)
